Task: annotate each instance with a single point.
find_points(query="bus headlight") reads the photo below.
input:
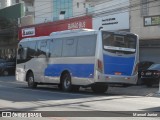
(136, 69)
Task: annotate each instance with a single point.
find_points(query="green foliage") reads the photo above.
(5, 23)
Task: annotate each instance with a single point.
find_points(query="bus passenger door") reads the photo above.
(41, 61)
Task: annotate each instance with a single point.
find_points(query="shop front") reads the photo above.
(150, 50)
(45, 29)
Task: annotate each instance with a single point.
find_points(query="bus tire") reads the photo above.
(30, 80)
(66, 82)
(99, 87)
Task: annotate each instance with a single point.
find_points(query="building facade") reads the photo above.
(8, 30)
(141, 17)
(145, 22)
(43, 11)
(110, 14)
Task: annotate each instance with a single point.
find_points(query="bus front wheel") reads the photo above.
(30, 80)
(66, 82)
(99, 87)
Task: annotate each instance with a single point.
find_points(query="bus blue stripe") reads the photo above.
(77, 70)
(113, 64)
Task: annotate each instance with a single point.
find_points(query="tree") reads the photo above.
(5, 23)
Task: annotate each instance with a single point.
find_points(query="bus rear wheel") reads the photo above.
(66, 82)
(99, 87)
(30, 80)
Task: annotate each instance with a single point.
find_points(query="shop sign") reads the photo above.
(76, 25)
(152, 20)
(45, 29)
(112, 22)
(26, 32)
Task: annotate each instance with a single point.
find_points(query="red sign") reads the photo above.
(27, 32)
(45, 29)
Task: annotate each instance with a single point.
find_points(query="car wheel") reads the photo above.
(66, 82)
(30, 80)
(99, 87)
(5, 73)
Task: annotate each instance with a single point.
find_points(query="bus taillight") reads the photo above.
(136, 69)
(100, 65)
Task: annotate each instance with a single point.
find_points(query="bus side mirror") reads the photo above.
(48, 54)
(24, 56)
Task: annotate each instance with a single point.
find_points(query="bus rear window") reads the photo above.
(119, 42)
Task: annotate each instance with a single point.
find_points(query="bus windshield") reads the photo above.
(124, 43)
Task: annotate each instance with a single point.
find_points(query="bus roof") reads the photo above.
(71, 31)
(35, 38)
(62, 34)
(75, 32)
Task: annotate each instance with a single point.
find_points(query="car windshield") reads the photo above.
(154, 67)
(145, 65)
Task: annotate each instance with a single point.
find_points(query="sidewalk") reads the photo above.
(136, 90)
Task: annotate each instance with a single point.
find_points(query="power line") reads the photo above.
(111, 10)
(61, 23)
(49, 2)
(111, 13)
(72, 7)
(125, 9)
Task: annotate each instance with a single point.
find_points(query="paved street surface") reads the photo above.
(16, 96)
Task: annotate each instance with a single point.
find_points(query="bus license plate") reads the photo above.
(118, 73)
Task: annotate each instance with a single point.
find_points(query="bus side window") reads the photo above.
(69, 47)
(86, 46)
(22, 53)
(20, 49)
(31, 50)
(48, 53)
(42, 49)
(56, 47)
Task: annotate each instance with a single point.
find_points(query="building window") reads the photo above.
(17, 1)
(144, 7)
(77, 4)
(62, 5)
(84, 5)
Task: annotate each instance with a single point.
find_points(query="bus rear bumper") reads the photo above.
(112, 79)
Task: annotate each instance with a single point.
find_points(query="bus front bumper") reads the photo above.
(20, 75)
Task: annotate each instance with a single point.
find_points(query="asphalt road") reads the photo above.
(118, 101)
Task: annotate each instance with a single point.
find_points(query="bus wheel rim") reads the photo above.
(31, 80)
(67, 82)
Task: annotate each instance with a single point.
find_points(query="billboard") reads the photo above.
(118, 21)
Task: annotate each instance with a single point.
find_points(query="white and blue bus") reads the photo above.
(75, 58)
